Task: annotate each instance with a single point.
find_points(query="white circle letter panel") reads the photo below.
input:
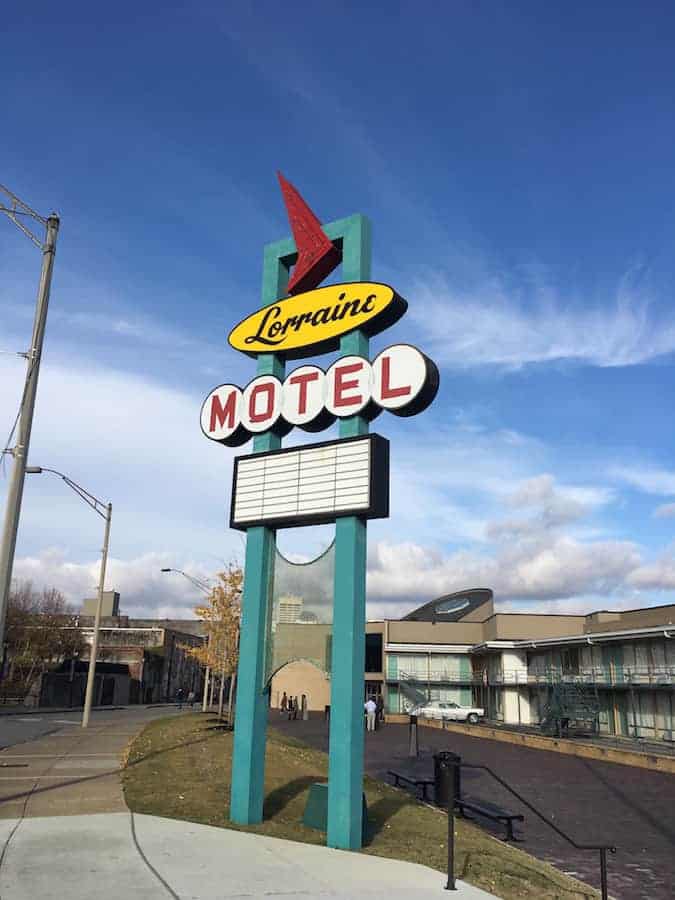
(221, 412)
(348, 386)
(399, 374)
(303, 395)
(261, 403)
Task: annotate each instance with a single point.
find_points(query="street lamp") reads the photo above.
(23, 217)
(105, 511)
(202, 585)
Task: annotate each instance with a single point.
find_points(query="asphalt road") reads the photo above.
(19, 728)
(595, 802)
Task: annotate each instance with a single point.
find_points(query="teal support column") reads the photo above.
(250, 733)
(345, 766)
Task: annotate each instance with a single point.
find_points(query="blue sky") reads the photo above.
(516, 163)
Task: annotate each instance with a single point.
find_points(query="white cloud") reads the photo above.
(650, 479)
(131, 441)
(550, 505)
(532, 557)
(500, 323)
(557, 568)
(657, 575)
(144, 589)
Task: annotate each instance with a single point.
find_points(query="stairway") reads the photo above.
(411, 689)
(571, 705)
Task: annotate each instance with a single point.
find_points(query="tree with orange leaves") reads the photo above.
(221, 614)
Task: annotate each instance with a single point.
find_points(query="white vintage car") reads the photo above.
(446, 709)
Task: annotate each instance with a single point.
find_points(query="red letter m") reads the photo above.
(219, 412)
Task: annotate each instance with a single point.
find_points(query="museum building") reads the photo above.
(614, 668)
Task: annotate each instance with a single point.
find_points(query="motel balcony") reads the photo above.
(450, 676)
(600, 676)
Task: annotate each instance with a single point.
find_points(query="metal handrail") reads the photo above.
(601, 675)
(602, 848)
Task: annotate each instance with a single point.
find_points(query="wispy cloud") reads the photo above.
(510, 322)
(650, 479)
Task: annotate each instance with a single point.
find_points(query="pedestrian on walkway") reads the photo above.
(290, 708)
(371, 710)
(283, 706)
(379, 703)
(295, 708)
(191, 698)
(179, 698)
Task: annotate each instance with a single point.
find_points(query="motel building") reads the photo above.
(610, 672)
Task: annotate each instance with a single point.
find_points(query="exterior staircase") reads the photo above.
(411, 689)
(572, 705)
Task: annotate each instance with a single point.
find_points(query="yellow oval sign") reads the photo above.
(318, 319)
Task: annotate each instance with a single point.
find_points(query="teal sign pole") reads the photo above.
(345, 767)
(248, 757)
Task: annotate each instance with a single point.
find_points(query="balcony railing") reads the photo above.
(597, 675)
(453, 676)
(614, 676)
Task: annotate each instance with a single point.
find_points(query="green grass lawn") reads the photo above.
(180, 768)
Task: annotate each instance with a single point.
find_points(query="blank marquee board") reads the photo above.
(313, 484)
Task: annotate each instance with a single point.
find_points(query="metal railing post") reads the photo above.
(603, 872)
(451, 886)
(413, 747)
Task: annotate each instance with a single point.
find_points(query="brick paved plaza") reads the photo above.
(593, 801)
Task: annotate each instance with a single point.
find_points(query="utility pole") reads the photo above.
(91, 671)
(34, 356)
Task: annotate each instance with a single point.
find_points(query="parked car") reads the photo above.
(444, 709)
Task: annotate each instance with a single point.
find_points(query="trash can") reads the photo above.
(446, 767)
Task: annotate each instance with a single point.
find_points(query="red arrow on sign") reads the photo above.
(317, 255)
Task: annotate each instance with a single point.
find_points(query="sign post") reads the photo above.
(345, 481)
(248, 754)
(345, 764)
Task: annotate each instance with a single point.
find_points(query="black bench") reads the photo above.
(424, 783)
(497, 815)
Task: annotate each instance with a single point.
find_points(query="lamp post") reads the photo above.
(14, 208)
(203, 586)
(105, 511)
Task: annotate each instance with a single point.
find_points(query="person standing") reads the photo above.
(295, 708)
(191, 698)
(371, 711)
(379, 704)
(283, 706)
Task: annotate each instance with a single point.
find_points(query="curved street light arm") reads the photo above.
(202, 585)
(97, 505)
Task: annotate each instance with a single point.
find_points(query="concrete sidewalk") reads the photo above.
(148, 858)
(103, 850)
(71, 770)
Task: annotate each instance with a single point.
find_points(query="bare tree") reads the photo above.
(42, 631)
